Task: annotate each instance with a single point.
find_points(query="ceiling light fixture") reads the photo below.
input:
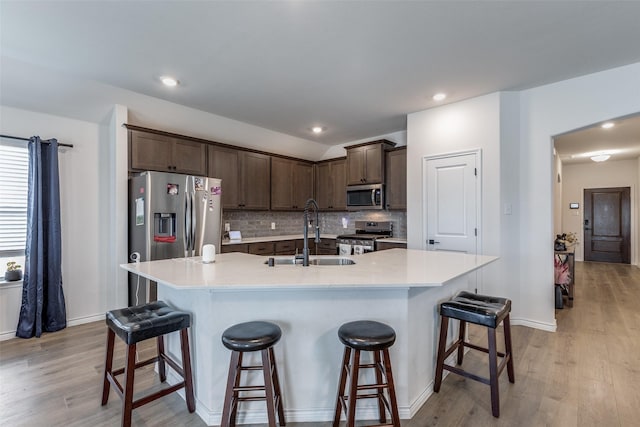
(439, 96)
(607, 125)
(169, 81)
(316, 129)
(600, 157)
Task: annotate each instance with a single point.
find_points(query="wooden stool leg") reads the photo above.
(392, 389)
(341, 385)
(442, 350)
(276, 388)
(268, 386)
(353, 388)
(129, 373)
(507, 345)
(186, 369)
(229, 396)
(108, 366)
(493, 373)
(461, 337)
(162, 370)
(379, 381)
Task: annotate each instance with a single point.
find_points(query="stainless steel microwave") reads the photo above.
(361, 197)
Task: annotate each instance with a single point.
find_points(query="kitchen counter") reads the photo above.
(394, 240)
(275, 238)
(399, 287)
(385, 269)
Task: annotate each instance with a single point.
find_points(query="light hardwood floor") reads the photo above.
(585, 374)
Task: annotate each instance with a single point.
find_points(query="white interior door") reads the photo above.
(451, 185)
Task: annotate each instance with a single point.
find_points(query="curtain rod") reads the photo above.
(28, 139)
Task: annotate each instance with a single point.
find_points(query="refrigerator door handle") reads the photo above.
(187, 224)
(192, 210)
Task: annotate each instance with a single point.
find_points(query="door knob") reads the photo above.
(432, 242)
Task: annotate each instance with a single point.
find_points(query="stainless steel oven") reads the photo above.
(365, 237)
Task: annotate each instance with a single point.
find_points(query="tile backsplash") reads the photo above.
(258, 223)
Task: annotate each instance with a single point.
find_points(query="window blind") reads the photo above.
(14, 170)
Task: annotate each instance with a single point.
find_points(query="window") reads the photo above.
(14, 170)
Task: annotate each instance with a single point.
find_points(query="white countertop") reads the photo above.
(275, 238)
(393, 240)
(394, 268)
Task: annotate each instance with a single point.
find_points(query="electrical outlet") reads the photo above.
(273, 225)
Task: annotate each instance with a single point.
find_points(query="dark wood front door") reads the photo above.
(607, 225)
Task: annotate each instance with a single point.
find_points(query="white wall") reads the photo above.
(558, 180)
(547, 111)
(519, 170)
(84, 289)
(577, 177)
(463, 126)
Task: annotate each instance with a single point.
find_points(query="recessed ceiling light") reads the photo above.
(316, 129)
(439, 96)
(607, 125)
(600, 157)
(169, 81)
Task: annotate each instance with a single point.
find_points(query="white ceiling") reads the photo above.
(622, 141)
(356, 68)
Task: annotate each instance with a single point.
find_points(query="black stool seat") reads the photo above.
(482, 310)
(375, 337)
(139, 323)
(251, 336)
(135, 324)
(479, 309)
(367, 335)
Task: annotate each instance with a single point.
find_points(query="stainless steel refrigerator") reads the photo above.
(170, 216)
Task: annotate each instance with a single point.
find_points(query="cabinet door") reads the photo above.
(189, 157)
(256, 181)
(302, 179)
(261, 248)
(323, 186)
(396, 188)
(281, 184)
(149, 151)
(355, 166)
(330, 184)
(224, 163)
(339, 185)
(373, 164)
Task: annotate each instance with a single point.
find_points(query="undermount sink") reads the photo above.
(313, 261)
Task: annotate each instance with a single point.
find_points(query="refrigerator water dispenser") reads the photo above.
(164, 227)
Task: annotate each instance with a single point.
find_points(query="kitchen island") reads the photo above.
(399, 287)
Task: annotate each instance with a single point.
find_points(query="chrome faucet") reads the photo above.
(305, 250)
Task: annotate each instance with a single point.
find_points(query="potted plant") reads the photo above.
(14, 272)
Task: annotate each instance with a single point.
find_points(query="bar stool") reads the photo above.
(249, 337)
(485, 311)
(366, 335)
(135, 324)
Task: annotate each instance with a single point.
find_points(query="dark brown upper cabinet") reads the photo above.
(366, 162)
(291, 183)
(245, 177)
(330, 184)
(150, 151)
(396, 182)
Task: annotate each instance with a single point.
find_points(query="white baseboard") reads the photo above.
(535, 324)
(70, 322)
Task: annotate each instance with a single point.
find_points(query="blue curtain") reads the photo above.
(43, 307)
